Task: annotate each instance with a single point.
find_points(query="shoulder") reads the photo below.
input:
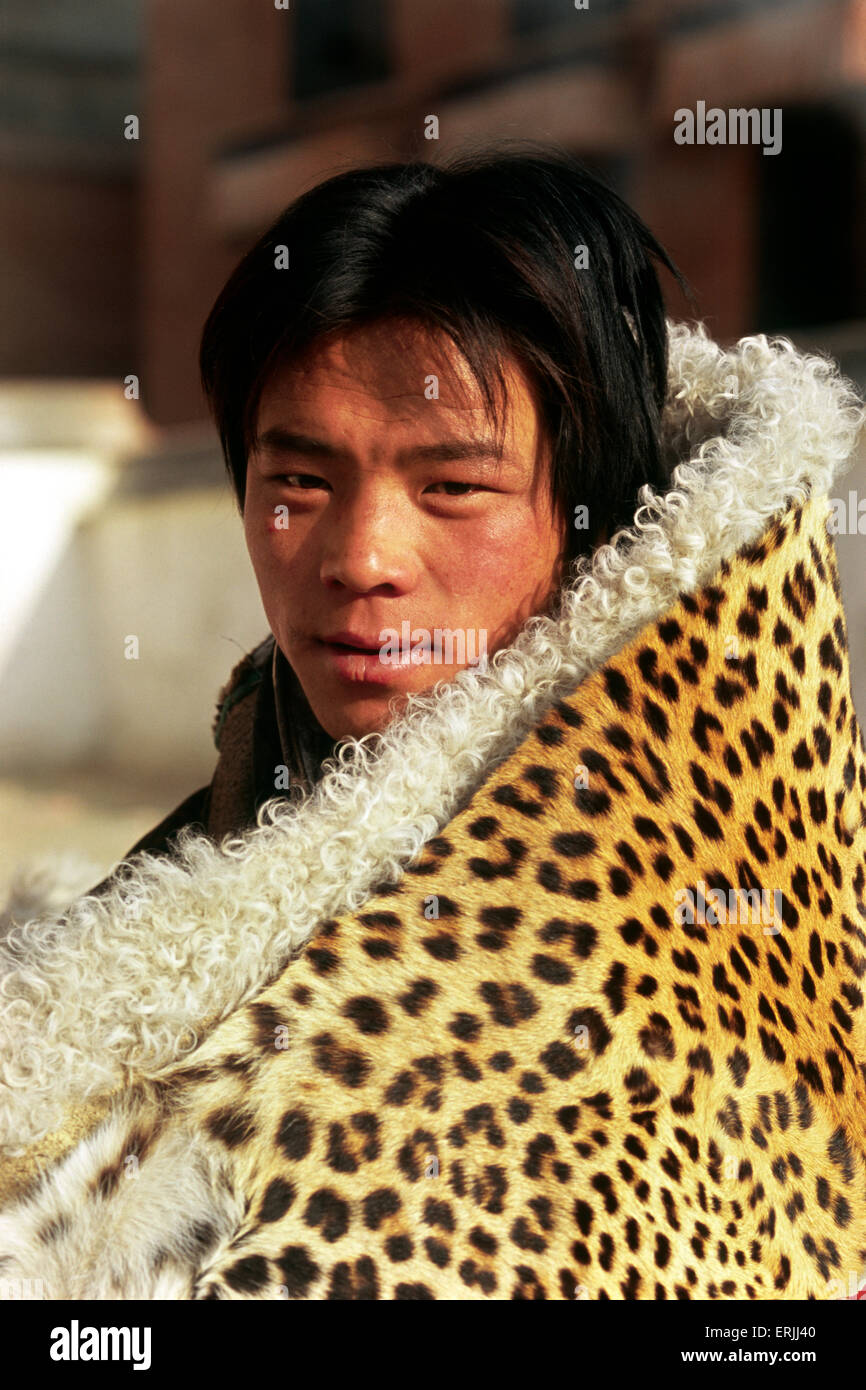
(245, 679)
(192, 812)
(195, 812)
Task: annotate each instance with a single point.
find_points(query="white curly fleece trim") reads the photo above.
(120, 983)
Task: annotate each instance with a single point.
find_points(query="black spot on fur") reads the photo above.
(248, 1275)
(268, 1021)
(367, 1014)
(278, 1197)
(294, 1134)
(599, 1034)
(327, 1210)
(550, 970)
(509, 1004)
(618, 688)
(232, 1127)
(418, 996)
(351, 1068)
(298, 1270)
(378, 1206)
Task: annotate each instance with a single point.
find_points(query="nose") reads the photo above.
(366, 546)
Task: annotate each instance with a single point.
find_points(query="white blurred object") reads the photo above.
(47, 883)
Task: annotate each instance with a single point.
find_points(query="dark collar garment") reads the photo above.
(302, 741)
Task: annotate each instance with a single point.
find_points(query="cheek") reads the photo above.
(255, 534)
(271, 547)
(267, 527)
(504, 554)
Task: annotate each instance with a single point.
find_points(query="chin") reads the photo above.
(348, 712)
(362, 717)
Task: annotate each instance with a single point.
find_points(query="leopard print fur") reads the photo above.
(522, 1071)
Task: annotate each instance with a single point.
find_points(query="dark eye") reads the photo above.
(475, 487)
(306, 479)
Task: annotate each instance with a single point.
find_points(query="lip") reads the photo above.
(352, 639)
(361, 666)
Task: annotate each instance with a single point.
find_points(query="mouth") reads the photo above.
(355, 664)
(349, 647)
(346, 640)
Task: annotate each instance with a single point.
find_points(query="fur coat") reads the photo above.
(486, 1015)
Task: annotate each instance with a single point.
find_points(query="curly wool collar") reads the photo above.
(127, 983)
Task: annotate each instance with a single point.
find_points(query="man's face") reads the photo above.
(377, 512)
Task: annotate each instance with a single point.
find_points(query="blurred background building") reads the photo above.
(144, 144)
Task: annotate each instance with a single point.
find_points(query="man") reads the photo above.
(386, 473)
(545, 978)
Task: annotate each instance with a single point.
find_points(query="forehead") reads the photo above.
(397, 369)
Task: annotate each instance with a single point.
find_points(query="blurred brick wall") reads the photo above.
(70, 273)
(214, 72)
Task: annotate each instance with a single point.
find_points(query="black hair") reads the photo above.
(486, 248)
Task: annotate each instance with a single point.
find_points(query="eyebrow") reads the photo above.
(278, 440)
